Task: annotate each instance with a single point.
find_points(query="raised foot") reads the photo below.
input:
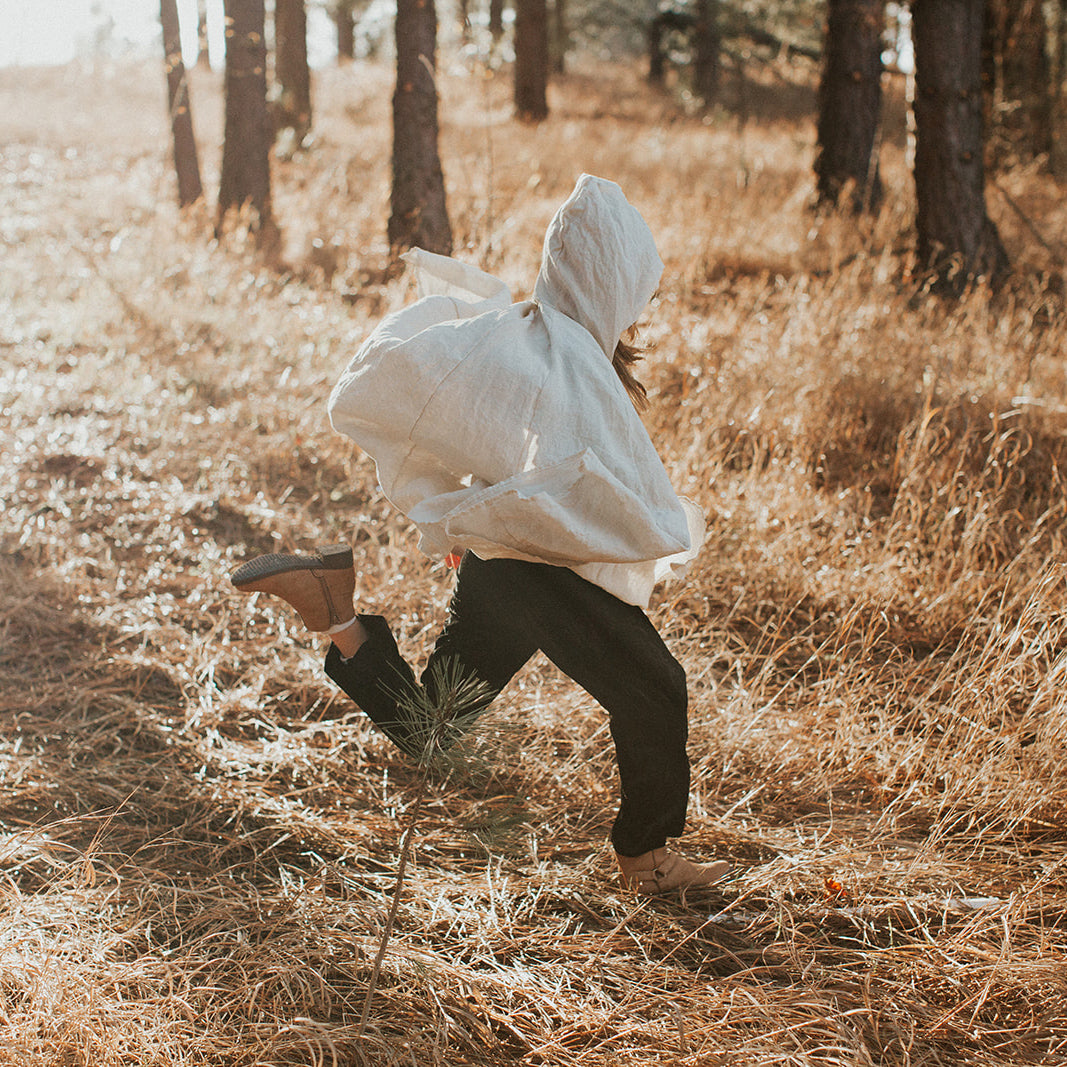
(319, 585)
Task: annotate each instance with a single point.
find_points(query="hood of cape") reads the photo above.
(599, 265)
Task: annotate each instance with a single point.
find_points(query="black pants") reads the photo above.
(501, 613)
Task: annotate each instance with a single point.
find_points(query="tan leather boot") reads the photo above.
(320, 586)
(663, 871)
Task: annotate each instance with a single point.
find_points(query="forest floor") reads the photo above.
(199, 837)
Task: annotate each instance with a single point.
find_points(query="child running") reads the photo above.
(508, 433)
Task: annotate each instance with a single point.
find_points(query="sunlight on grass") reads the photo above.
(199, 837)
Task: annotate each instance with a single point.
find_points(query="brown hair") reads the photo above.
(627, 353)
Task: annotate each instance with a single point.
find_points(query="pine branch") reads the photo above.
(437, 715)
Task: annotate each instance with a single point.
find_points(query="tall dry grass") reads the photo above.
(200, 837)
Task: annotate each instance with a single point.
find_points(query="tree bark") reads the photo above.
(850, 104)
(662, 23)
(496, 20)
(345, 20)
(561, 37)
(957, 241)
(186, 161)
(706, 47)
(292, 106)
(245, 177)
(531, 60)
(419, 214)
(655, 52)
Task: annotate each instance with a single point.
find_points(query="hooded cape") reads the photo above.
(503, 428)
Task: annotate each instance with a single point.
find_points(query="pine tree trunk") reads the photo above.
(667, 21)
(561, 38)
(293, 104)
(1031, 72)
(345, 21)
(850, 104)
(957, 241)
(707, 45)
(419, 214)
(245, 178)
(496, 20)
(186, 161)
(655, 51)
(531, 60)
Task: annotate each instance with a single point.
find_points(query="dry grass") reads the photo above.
(199, 838)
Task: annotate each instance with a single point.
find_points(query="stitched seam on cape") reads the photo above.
(430, 399)
(544, 376)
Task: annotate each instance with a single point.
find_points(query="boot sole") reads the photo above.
(327, 558)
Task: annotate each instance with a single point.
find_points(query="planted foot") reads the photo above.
(663, 871)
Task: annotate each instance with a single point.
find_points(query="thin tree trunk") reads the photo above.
(664, 22)
(1027, 75)
(957, 240)
(293, 104)
(345, 21)
(655, 51)
(561, 38)
(186, 161)
(245, 178)
(531, 60)
(496, 20)
(419, 214)
(707, 44)
(850, 104)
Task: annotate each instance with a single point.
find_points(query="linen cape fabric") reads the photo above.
(502, 427)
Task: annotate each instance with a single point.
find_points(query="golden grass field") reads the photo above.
(200, 837)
